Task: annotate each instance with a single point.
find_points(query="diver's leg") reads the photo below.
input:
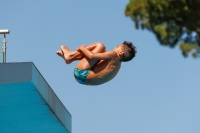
(70, 56)
(86, 63)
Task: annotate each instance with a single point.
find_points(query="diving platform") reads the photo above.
(27, 102)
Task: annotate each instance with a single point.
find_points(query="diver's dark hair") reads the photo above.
(129, 51)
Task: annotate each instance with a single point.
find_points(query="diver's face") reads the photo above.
(119, 50)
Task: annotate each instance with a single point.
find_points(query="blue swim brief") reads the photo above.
(81, 75)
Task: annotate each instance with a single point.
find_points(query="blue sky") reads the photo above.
(157, 92)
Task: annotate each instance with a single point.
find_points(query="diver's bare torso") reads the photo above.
(104, 71)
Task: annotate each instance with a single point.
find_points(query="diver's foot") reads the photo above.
(60, 53)
(66, 54)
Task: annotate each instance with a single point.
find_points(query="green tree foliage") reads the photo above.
(172, 21)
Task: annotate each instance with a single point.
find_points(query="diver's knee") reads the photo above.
(101, 45)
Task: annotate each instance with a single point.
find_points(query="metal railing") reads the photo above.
(3, 51)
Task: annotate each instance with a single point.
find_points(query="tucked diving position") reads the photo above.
(97, 66)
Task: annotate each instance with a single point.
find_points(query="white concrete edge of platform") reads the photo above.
(27, 72)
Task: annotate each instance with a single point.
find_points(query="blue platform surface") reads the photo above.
(27, 102)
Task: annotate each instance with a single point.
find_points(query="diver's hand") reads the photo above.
(79, 48)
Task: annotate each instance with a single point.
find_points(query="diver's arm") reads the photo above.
(97, 56)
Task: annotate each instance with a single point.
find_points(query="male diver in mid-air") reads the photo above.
(96, 66)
